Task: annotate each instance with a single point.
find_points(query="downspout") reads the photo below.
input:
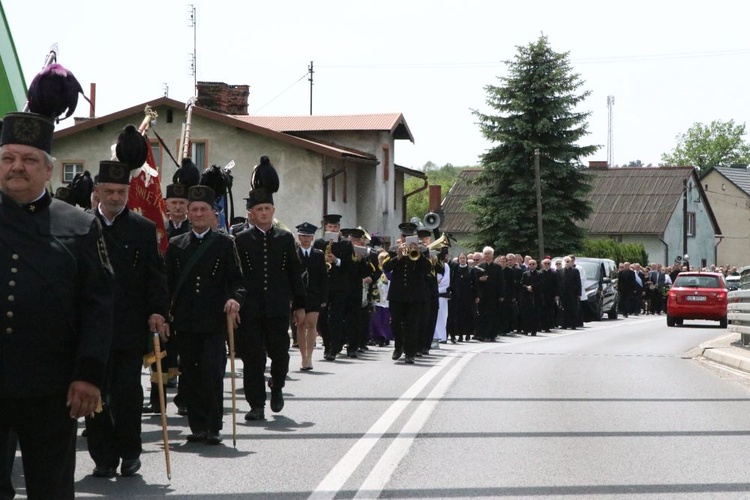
(406, 196)
(716, 248)
(666, 251)
(326, 178)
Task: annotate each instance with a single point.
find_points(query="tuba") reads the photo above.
(439, 243)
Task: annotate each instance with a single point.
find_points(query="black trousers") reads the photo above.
(488, 323)
(261, 338)
(47, 436)
(405, 320)
(334, 337)
(427, 328)
(8, 446)
(570, 303)
(115, 433)
(204, 361)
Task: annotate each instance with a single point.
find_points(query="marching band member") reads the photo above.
(315, 280)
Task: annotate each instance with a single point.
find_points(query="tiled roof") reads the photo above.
(391, 122)
(456, 218)
(740, 177)
(624, 200)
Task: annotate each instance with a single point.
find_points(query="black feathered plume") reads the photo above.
(188, 174)
(53, 91)
(131, 148)
(265, 176)
(82, 185)
(217, 179)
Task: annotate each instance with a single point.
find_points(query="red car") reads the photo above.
(697, 295)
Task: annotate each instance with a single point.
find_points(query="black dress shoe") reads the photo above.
(396, 354)
(277, 400)
(150, 409)
(181, 410)
(213, 438)
(130, 466)
(255, 414)
(418, 354)
(409, 360)
(100, 471)
(351, 354)
(330, 357)
(196, 437)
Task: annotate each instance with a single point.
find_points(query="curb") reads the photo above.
(717, 355)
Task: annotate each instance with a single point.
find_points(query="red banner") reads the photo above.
(145, 198)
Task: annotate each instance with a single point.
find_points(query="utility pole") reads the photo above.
(310, 78)
(538, 183)
(685, 224)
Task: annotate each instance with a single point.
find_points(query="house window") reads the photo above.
(691, 223)
(70, 170)
(199, 155)
(386, 163)
(156, 151)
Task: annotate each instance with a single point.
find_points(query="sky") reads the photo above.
(668, 64)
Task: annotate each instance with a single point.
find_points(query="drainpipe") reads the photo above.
(666, 251)
(716, 248)
(326, 178)
(406, 196)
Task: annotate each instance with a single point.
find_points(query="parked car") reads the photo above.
(733, 282)
(601, 287)
(697, 295)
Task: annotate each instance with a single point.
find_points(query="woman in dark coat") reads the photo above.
(464, 294)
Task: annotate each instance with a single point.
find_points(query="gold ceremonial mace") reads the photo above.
(162, 405)
(230, 331)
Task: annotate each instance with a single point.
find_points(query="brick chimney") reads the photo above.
(223, 98)
(598, 165)
(435, 197)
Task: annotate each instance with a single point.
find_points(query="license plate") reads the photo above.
(696, 298)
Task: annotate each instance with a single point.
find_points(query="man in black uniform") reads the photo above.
(273, 279)
(177, 201)
(339, 255)
(407, 297)
(315, 280)
(141, 304)
(205, 283)
(491, 286)
(56, 318)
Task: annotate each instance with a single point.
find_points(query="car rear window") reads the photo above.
(698, 281)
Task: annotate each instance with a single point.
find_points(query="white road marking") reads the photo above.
(342, 471)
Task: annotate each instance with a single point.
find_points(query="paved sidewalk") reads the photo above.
(726, 350)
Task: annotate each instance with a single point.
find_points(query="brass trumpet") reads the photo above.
(327, 253)
(412, 253)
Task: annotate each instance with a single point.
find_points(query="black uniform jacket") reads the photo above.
(198, 298)
(340, 276)
(140, 279)
(56, 301)
(408, 282)
(492, 289)
(314, 279)
(173, 230)
(272, 272)
(534, 280)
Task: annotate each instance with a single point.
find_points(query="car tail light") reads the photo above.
(721, 296)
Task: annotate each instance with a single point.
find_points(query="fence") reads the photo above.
(738, 308)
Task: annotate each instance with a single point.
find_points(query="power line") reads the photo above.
(282, 92)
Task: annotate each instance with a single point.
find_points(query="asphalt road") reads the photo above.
(616, 410)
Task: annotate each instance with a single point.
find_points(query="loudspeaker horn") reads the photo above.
(431, 221)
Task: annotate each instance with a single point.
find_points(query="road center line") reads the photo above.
(383, 470)
(342, 471)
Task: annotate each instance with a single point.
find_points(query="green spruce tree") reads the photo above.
(535, 108)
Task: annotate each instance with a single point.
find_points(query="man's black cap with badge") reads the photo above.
(202, 193)
(332, 219)
(177, 191)
(28, 129)
(113, 172)
(306, 229)
(408, 228)
(424, 233)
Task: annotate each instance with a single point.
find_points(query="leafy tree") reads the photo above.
(636, 163)
(719, 144)
(445, 176)
(535, 108)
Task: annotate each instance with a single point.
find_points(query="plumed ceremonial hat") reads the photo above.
(265, 176)
(259, 196)
(202, 193)
(82, 185)
(131, 148)
(28, 129)
(177, 191)
(306, 228)
(114, 172)
(188, 174)
(54, 91)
